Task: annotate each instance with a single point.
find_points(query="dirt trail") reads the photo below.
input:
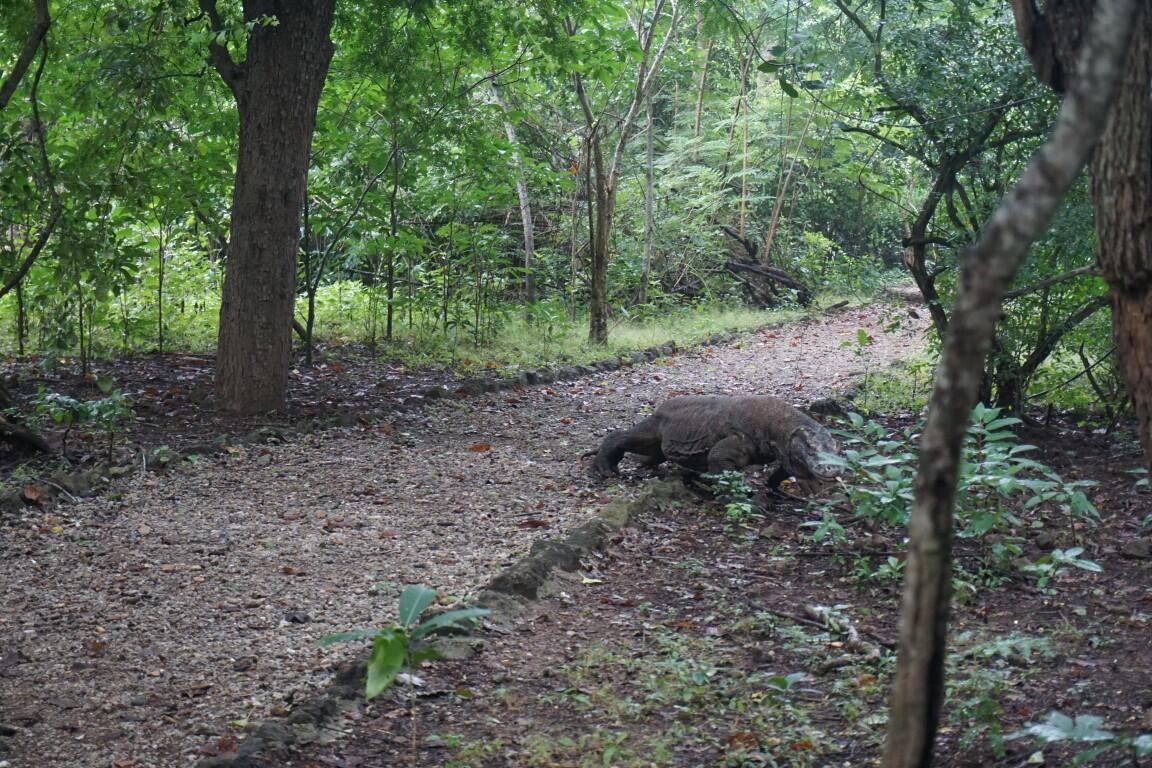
(137, 626)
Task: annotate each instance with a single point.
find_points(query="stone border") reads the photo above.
(508, 594)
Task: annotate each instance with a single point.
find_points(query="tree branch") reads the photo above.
(49, 182)
(230, 72)
(1071, 274)
(27, 53)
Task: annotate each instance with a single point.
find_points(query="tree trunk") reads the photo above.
(1121, 182)
(603, 182)
(649, 205)
(1122, 196)
(918, 688)
(522, 195)
(600, 238)
(277, 89)
(11, 81)
(698, 112)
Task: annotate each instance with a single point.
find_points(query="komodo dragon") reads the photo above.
(715, 433)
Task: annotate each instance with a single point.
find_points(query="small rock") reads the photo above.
(1140, 549)
(243, 664)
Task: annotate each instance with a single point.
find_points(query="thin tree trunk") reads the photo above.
(606, 175)
(698, 112)
(394, 231)
(48, 182)
(160, 291)
(782, 184)
(522, 194)
(918, 688)
(744, 165)
(741, 87)
(649, 205)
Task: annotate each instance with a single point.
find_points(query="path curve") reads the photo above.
(140, 628)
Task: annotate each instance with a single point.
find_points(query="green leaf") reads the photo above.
(344, 637)
(413, 601)
(459, 619)
(386, 661)
(788, 88)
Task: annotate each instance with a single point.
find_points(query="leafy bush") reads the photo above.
(997, 483)
(107, 413)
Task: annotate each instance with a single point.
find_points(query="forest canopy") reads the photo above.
(471, 165)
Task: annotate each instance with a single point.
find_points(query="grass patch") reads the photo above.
(531, 337)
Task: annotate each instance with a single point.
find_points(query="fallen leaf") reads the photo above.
(533, 523)
(744, 740)
(479, 447)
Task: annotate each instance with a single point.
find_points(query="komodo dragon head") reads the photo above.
(803, 454)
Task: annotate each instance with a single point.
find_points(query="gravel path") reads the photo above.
(141, 628)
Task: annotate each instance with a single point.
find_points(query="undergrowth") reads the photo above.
(1003, 492)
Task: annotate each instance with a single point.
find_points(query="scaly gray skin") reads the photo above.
(715, 433)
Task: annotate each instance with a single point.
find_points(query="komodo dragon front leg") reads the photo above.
(734, 452)
(642, 439)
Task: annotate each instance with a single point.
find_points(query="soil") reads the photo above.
(154, 623)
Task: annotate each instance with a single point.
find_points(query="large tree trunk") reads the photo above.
(277, 89)
(918, 687)
(1122, 196)
(1121, 181)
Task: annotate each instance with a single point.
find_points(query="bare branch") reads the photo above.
(1071, 274)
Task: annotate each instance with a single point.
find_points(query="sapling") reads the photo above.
(401, 646)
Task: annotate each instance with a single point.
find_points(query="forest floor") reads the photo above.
(150, 625)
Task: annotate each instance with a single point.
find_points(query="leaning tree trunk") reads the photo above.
(277, 89)
(918, 687)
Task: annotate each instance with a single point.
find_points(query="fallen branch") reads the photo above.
(803, 293)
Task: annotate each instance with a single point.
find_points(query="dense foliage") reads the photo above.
(453, 177)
